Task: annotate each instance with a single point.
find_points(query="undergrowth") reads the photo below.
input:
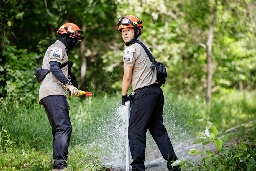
(231, 153)
(25, 134)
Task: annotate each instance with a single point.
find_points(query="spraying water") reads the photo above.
(112, 140)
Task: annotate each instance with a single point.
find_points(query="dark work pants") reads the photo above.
(56, 108)
(147, 114)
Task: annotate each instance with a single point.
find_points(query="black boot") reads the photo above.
(174, 168)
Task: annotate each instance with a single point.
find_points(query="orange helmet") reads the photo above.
(71, 29)
(129, 21)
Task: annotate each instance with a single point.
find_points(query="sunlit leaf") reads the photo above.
(214, 129)
(218, 143)
(206, 142)
(200, 134)
(208, 152)
(199, 140)
(194, 152)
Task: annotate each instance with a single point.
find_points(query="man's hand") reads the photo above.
(125, 99)
(73, 90)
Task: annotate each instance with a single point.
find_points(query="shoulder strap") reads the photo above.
(63, 65)
(152, 59)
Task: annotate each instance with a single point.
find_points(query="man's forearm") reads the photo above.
(125, 86)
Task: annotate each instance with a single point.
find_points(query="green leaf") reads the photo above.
(238, 155)
(251, 163)
(20, 15)
(210, 153)
(199, 140)
(206, 142)
(226, 150)
(218, 143)
(194, 152)
(212, 136)
(1, 68)
(209, 124)
(214, 129)
(200, 134)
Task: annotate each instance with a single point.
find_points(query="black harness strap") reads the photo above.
(63, 65)
(152, 59)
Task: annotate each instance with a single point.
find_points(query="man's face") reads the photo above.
(127, 34)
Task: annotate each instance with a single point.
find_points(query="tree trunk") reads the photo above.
(2, 57)
(83, 61)
(2, 74)
(209, 55)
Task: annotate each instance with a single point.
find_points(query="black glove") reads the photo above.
(125, 99)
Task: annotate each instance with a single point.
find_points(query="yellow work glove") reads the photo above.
(73, 90)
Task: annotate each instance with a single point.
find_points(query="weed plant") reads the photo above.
(238, 154)
(25, 134)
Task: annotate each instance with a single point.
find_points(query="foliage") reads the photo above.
(240, 157)
(18, 159)
(5, 141)
(34, 35)
(30, 149)
(223, 113)
(175, 31)
(93, 117)
(21, 81)
(205, 138)
(235, 156)
(97, 20)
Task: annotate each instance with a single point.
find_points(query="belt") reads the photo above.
(151, 85)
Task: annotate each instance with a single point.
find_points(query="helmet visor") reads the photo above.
(78, 34)
(124, 21)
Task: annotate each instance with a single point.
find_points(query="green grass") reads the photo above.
(25, 134)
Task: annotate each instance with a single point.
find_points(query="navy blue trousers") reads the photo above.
(147, 114)
(57, 110)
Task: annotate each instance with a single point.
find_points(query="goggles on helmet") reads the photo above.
(127, 21)
(124, 21)
(78, 34)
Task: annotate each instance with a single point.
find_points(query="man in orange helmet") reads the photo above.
(52, 92)
(147, 100)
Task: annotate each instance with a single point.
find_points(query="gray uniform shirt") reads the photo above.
(50, 85)
(143, 74)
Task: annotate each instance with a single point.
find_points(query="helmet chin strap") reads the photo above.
(136, 35)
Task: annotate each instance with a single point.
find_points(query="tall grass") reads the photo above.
(25, 133)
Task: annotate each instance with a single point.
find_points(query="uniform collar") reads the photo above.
(60, 44)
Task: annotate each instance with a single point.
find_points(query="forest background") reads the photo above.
(208, 47)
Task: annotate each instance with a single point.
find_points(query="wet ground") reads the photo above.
(159, 164)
